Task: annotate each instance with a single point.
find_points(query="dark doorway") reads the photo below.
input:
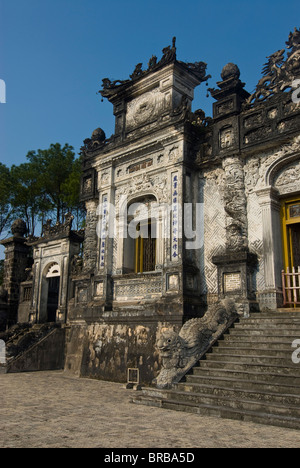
(295, 245)
(53, 294)
(145, 247)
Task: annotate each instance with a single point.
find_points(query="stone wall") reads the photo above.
(47, 354)
(211, 188)
(106, 351)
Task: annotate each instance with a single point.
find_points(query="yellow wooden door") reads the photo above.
(290, 214)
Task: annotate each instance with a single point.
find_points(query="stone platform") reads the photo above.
(51, 409)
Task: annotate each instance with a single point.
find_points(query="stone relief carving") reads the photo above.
(104, 177)
(173, 153)
(252, 174)
(279, 72)
(288, 175)
(134, 290)
(280, 169)
(59, 228)
(273, 162)
(76, 265)
(235, 205)
(181, 351)
(143, 183)
(227, 137)
(253, 135)
(253, 120)
(143, 108)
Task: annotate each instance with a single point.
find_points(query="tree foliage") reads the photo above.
(45, 187)
(5, 197)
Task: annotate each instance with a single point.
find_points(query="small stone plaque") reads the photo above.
(173, 282)
(232, 282)
(99, 288)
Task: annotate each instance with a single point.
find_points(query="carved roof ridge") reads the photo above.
(110, 88)
(278, 72)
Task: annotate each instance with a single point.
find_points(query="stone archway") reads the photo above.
(281, 192)
(140, 243)
(50, 293)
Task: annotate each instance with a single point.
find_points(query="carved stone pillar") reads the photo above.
(271, 297)
(235, 205)
(91, 238)
(236, 265)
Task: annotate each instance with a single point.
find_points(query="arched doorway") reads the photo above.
(291, 231)
(52, 283)
(140, 243)
(290, 215)
(145, 246)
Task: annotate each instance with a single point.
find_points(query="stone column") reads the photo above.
(236, 265)
(235, 205)
(271, 297)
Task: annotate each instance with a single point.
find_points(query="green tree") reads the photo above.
(46, 186)
(71, 194)
(56, 167)
(6, 211)
(29, 198)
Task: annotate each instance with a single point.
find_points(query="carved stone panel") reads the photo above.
(227, 137)
(143, 108)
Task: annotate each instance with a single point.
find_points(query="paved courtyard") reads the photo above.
(51, 409)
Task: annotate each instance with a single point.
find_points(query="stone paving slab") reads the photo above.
(52, 409)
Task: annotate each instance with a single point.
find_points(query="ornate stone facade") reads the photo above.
(212, 189)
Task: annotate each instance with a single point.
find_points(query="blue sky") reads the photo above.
(54, 54)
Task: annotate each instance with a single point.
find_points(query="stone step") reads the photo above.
(288, 399)
(240, 338)
(280, 323)
(243, 403)
(271, 326)
(251, 366)
(262, 349)
(273, 332)
(236, 383)
(252, 358)
(247, 375)
(230, 413)
(290, 314)
(285, 315)
(248, 343)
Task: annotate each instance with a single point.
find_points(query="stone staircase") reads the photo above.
(249, 375)
(33, 347)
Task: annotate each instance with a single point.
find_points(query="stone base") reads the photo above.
(270, 300)
(235, 274)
